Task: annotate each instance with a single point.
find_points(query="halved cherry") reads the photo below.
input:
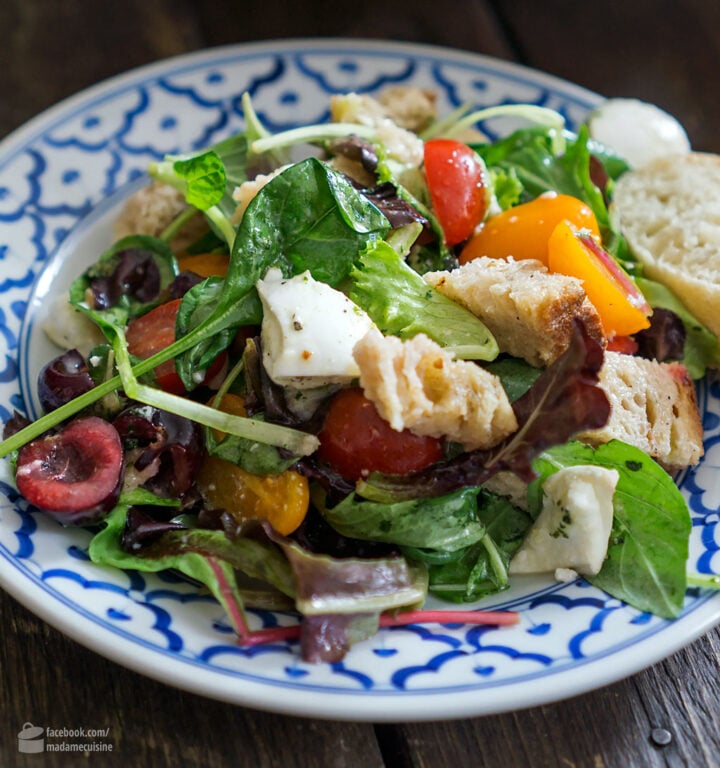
(76, 474)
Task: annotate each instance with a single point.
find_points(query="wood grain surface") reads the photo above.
(660, 51)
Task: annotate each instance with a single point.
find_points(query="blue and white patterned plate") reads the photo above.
(62, 180)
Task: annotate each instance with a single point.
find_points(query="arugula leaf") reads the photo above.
(402, 304)
(647, 555)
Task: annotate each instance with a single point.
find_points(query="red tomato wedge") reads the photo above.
(456, 181)
(355, 440)
(155, 331)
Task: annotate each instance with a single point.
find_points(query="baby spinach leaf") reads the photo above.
(482, 568)
(445, 523)
(646, 560)
(307, 217)
(516, 376)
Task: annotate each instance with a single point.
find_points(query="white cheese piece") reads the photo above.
(69, 328)
(308, 331)
(573, 528)
(637, 131)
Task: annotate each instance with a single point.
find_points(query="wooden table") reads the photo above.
(657, 50)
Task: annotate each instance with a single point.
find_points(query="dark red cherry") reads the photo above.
(76, 474)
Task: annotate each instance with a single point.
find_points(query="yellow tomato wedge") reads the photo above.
(282, 499)
(622, 308)
(523, 231)
(205, 264)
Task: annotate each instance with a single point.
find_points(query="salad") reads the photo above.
(222, 425)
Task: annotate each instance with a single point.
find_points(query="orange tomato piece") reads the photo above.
(523, 231)
(282, 499)
(205, 264)
(622, 308)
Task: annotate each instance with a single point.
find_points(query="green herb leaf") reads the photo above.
(402, 304)
(445, 523)
(205, 179)
(647, 556)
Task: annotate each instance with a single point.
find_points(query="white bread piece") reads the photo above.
(669, 212)
(653, 407)
(151, 209)
(417, 385)
(528, 309)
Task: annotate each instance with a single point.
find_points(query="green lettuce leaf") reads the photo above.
(402, 304)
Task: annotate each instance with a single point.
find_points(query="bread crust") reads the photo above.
(417, 385)
(529, 310)
(669, 212)
(653, 406)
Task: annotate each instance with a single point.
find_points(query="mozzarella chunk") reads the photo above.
(637, 131)
(308, 331)
(573, 528)
(69, 328)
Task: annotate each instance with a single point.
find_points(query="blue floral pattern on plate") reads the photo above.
(62, 180)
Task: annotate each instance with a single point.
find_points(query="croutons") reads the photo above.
(653, 407)
(416, 385)
(529, 310)
(150, 210)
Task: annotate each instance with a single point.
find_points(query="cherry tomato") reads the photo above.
(281, 499)
(355, 440)
(456, 180)
(622, 308)
(523, 231)
(623, 344)
(155, 331)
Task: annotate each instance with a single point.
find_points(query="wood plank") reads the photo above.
(474, 26)
(52, 681)
(54, 49)
(636, 52)
(614, 726)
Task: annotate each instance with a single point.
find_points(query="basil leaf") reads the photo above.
(647, 555)
(205, 179)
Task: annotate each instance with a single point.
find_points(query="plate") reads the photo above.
(63, 178)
